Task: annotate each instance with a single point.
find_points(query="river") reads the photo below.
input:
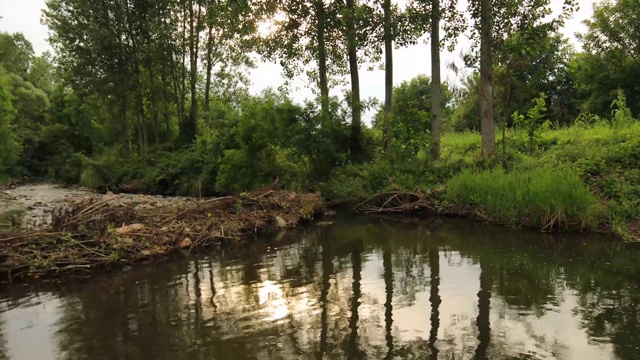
(360, 288)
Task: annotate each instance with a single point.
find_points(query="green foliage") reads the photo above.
(9, 146)
(610, 61)
(266, 139)
(534, 123)
(542, 197)
(412, 117)
(466, 114)
(16, 53)
(620, 114)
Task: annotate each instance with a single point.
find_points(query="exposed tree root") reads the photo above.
(401, 202)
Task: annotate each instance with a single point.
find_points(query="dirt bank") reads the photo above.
(81, 231)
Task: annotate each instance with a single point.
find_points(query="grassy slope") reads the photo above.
(577, 177)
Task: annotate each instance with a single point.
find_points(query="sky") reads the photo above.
(24, 16)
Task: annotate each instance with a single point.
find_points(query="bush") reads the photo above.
(540, 197)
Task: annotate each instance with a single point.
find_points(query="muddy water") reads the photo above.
(356, 289)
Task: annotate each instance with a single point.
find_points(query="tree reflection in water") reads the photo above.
(358, 289)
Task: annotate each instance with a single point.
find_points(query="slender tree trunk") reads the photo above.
(356, 106)
(155, 113)
(207, 90)
(436, 92)
(165, 103)
(181, 82)
(388, 74)
(181, 91)
(125, 124)
(487, 118)
(189, 129)
(322, 61)
(139, 104)
(507, 105)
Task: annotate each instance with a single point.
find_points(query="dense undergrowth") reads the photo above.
(581, 177)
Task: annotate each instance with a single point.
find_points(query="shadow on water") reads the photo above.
(356, 289)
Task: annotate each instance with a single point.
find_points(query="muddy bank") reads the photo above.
(81, 231)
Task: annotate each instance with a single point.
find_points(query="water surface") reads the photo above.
(356, 289)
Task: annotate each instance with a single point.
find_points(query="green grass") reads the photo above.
(541, 197)
(455, 141)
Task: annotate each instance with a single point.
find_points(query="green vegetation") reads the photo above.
(544, 197)
(155, 99)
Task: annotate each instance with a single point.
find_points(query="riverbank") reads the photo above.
(580, 178)
(88, 231)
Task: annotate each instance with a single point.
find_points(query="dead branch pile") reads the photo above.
(103, 233)
(401, 202)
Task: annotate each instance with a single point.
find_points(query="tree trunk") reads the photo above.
(322, 61)
(487, 120)
(436, 92)
(154, 104)
(190, 126)
(356, 106)
(139, 98)
(207, 90)
(388, 74)
(507, 106)
(181, 91)
(124, 124)
(165, 103)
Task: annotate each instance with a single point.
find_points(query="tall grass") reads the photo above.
(539, 197)
(461, 140)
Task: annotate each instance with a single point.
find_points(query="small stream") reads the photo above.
(359, 288)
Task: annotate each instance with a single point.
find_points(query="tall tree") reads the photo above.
(356, 105)
(436, 93)
(487, 117)
(306, 39)
(496, 21)
(388, 72)
(189, 126)
(453, 26)
(321, 29)
(228, 43)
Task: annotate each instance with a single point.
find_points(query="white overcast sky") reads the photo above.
(24, 16)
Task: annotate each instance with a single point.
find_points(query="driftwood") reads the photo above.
(99, 234)
(401, 202)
